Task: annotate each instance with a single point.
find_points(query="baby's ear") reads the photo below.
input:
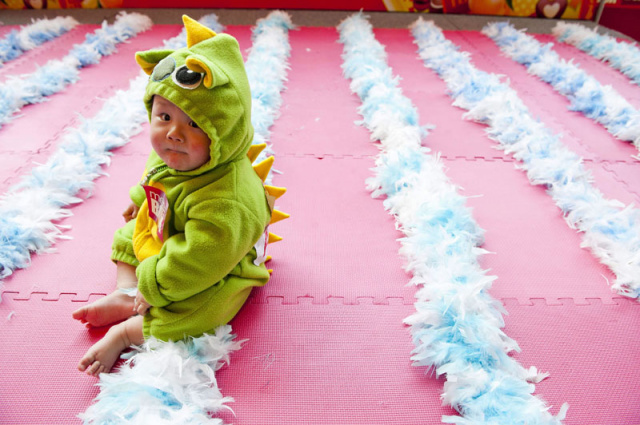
(149, 59)
(213, 74)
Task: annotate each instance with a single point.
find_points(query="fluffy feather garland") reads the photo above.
(457, 325)
(600, 103)
(267, 66)
(17, 42)
(610, 229)
(166, 383)
(625, 57)
(55, 75)
(68, 173)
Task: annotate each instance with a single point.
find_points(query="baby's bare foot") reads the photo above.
(113, 308)
(101, 357)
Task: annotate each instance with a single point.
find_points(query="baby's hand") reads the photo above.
(140, 305)
(131, 212)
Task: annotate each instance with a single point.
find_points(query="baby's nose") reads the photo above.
(175, 134)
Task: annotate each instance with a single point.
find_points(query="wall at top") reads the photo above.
(563, 9)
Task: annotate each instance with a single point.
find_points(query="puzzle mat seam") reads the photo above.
(627, 186)
(80, 297)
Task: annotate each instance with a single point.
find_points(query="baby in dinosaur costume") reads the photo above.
(195, 249)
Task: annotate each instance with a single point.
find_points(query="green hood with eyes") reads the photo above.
(208, 81)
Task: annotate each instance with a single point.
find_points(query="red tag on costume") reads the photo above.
(158, 206)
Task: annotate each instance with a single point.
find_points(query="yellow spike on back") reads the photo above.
(255, 150)
(263, 168)
(274, 238)
(275, 191)
(269, 258)
(196, 32)
(276, 216)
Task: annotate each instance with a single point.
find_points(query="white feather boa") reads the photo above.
(56, 75)
(609, 229)
(30, 36)
(457, 324)
(267, 66)
(600, 103)
(625, 57)
(166, 383)
(30, 210)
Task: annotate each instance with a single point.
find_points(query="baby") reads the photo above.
(188, 261)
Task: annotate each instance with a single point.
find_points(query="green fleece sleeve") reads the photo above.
(217, 235)
(137, 195)
(122, 247)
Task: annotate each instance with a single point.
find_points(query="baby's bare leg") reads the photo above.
(101, 357)
(114, 307)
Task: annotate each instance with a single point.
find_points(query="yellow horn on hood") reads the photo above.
(196, 32)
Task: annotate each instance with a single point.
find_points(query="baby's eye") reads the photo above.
(193, 124)
(165, 117)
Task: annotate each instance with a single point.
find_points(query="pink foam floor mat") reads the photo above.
(326, 339)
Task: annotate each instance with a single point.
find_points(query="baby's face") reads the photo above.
(177, 140)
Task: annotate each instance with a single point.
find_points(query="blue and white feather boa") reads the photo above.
(29, 211)
(55, 75)
(600, 103)
(457, 325)
(266, 67)
(175, 383)
(625, 57)
(610, 229)
(17, 42)
(166, 383)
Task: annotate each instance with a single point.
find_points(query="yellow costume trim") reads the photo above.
(275, 191)
(274, 238)
(276, 216)
(197, 65)
(196, 32)
(146, 242)
(255, 150)
(263, 168)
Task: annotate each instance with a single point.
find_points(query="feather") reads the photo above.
(166, 383)
(56, 75)
(600, 103)
(28, 37)
(457, 326)
(267, 66)
(623, 56)
(609, 229)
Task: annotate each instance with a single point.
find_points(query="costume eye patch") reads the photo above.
(186, 78)
(163, 69)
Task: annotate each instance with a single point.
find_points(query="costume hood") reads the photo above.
(208, 81)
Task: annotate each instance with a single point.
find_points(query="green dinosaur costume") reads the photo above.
(193, 241)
